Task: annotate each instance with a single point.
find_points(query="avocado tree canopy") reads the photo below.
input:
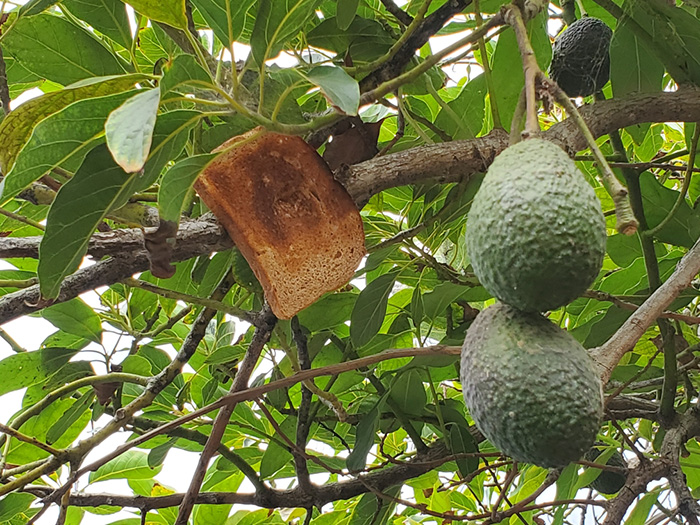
(137, 344)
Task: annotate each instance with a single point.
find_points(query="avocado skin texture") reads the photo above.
(530, 387)
(581, 57)
(535, 232)
(608, 482)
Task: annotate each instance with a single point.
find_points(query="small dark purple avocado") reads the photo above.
(581, 57)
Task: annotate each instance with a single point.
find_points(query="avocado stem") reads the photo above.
(626, 224)
(514, 18)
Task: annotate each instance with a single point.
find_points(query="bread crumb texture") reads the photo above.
(294, 223)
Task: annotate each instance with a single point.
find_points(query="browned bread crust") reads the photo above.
(294, 223)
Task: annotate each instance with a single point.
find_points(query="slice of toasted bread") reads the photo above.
(294, 223)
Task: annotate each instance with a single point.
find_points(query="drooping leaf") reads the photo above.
(69, 133)
(368, 315)
(177, 183)
(461, 441)
(373, 510)
(365, 432)
(17, 127)
(107, 16)
(276, 455)
(276, 22)
(345, 13)
(171, 12)
(157, 455)
(130, 465)
(129, 130)
(98, 187)
(408, 392)
(34, 7)
(28, 368)
(364, 39)
(54, 48)
(328, 312)
(225, 17)
(75, 317)
(341, 89)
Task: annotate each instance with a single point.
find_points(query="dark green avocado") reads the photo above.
(581, 57)
(530, 387)
(535, 232)
(608, 482)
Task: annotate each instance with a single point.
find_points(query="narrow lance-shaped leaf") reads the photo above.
(98, 187)
(341, 89)
(368, 315)
(17, 127)
(69, 417)
(67, 133)
(54, 48)
(75, 317)
(365, 433)
(129, 130)
(276, 22)
(171, 12)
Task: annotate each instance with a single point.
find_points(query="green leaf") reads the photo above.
(130, 465)
(75, 317)
(368, 315)
(98, 187)
(34, 7)
(345, 13)
(371, 510)
(29, 368)
(171, 12)
(466, 117)
(54, 48)
(14, 504)
(341, 89)
(171, 132)
(277, 22)
(328, 312)
(408, 392)
(129, 130)
(68, 134)
(17, 127)
(69, 417)
(157, 455)
(184, 69)
(436, 302)
(633, 66)
(364, 39)
(277, 456)
(684, 228)
(507, 65)
(106, 16)
(177, 183)
(641, 510)
(225, 17)
(461, 441)
(365, 432)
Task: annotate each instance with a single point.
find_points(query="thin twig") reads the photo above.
(240, 382)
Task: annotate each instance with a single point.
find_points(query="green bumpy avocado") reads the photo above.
(535, 232)
(530, 387)
(581, 57)
(608, 482)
